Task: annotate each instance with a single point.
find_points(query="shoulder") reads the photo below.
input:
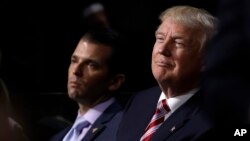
(112, 114)
(115, 107)
(152, 89)
(144, 97)
(148, 92)
(59, 136)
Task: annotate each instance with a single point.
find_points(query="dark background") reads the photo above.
(38, 37)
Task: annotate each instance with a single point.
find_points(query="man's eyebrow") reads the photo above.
(180, 37)
(161, 33)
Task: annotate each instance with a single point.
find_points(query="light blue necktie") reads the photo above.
(77, 129)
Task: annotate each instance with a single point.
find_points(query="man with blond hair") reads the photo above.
(173, 110)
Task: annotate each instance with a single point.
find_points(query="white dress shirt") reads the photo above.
(91, 116)
(175, 102)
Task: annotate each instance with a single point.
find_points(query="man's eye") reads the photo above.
(160, 39)
(179, 44)
(73, 60)
(93, 65)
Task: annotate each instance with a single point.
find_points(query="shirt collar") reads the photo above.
(175, 102)
(93, 113)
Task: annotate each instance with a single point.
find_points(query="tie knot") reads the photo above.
(80, 124)
(163, 106)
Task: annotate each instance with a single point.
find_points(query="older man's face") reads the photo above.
(176, 57)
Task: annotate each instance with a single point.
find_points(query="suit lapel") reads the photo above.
(100, 124)
(137, 114)
(178, 119)
(146, 114)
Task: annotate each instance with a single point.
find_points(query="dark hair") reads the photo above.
(111, 38)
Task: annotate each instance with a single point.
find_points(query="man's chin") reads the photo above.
(73, 96)
(76, 96)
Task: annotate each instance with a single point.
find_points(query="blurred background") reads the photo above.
(38, 38)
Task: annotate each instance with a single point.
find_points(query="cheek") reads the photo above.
(158, 71)
(191, 64)
(70, 70)
(69, 75)
(154, 51)
(153, 57)
(96, 77)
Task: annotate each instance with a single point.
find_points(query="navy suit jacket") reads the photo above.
(188, 122)
(104, 128)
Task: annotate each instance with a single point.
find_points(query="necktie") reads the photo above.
(156, 121)
(77, 129)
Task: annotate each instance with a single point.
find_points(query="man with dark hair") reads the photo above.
(94, 76)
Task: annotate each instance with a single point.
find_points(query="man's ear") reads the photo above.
(116, 82)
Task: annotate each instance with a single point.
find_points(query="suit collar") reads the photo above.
(93, 113)
(179, 118)
(100, 123)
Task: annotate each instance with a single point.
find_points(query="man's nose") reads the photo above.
(165, 48)
(78, 70)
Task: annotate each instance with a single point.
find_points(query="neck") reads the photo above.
(83, 109)
(173, 90)
(85, 105)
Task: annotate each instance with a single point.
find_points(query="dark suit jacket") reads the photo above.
(186, 123)
(104, 128)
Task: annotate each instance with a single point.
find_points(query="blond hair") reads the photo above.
(194, 18)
